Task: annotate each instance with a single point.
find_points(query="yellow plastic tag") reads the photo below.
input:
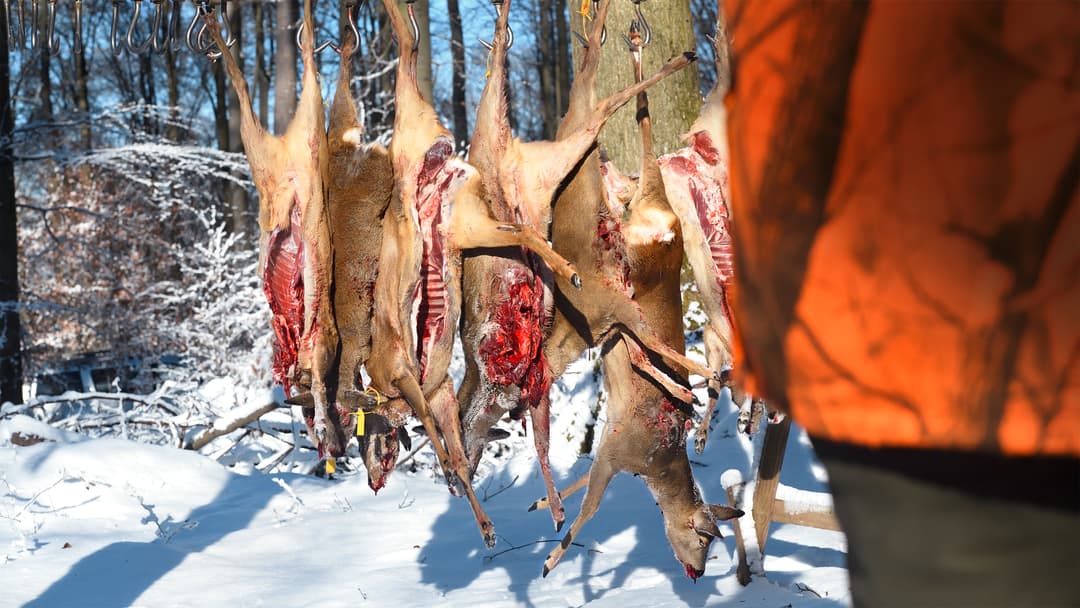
(331, 465)
(360, 424)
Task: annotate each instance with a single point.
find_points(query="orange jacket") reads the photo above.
(906, 213)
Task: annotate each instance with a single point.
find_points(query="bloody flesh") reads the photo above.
(432, 206)
(283, 285)
(699, 166)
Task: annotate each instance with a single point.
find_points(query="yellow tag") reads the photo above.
(359, 424)
(331, 465)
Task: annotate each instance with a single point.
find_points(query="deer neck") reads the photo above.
(675, 491)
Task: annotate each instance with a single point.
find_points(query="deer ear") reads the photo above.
(724, 512)
(705, 524)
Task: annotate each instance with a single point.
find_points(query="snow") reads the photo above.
(111, 522)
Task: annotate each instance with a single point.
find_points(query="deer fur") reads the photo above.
(360, 184)
(502, 333)
(586, 230)
(436, 207)
(696, 178)
(646, 428)
(288, 172)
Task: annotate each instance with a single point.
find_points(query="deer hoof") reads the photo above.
(576, 280)
(559, 525)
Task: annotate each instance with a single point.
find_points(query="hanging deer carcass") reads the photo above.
(360, 183)
(507, 297)
(587, 231)
(435, 213)
(294, 241)
(646, 429)
(697, 185)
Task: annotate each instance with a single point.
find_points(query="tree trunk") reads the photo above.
(238, 203)
(674, 103)
(262, 77)
(562, 57)
(45, 110)
(285, 64)
(82, 94)
(172, 85)
(545, 51)
(457, 52)
(10, 343)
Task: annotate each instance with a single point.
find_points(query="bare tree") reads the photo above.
(457, 88)
(10, 343)
(675, 101)
(285, 64)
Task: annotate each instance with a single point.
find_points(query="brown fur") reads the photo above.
(590, 316)
(717, 332)
(393, 366)
(519, 180)
(289, 169)
(645, 433)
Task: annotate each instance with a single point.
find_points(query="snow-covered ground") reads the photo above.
(111, 522)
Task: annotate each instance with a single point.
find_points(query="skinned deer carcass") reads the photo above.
(294, 241)
(696, 178)
(360, 182)
(645, 433)
(435, 212)
(507, 297)
(587, 230)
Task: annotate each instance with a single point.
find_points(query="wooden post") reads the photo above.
(767, 508)
(768, 477)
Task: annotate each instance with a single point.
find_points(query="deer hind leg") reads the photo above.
(541, 421)
(455, 475)
(598, 479)
(542, 503)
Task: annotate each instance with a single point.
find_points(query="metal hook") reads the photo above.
(137, 49)
(351, 8)
(230, 39)
(115, 46)
(509, 30)
(175, 43)
(195, 43)
(646, 31)
(603, 28)
(52, 42)
(318, 49)
(159, 46)
(34, 24)
(415, 27)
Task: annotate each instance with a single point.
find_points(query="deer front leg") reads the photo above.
(410, 389)
(472, 228)
(640, 360)
(599, 477)
(541, 421)
(629, 315)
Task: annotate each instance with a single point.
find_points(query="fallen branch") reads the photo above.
(401, 463)
(215, 431)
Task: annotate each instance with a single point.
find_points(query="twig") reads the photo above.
(502, 489)
(401, 463)
(33, 499)
(535, 542)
